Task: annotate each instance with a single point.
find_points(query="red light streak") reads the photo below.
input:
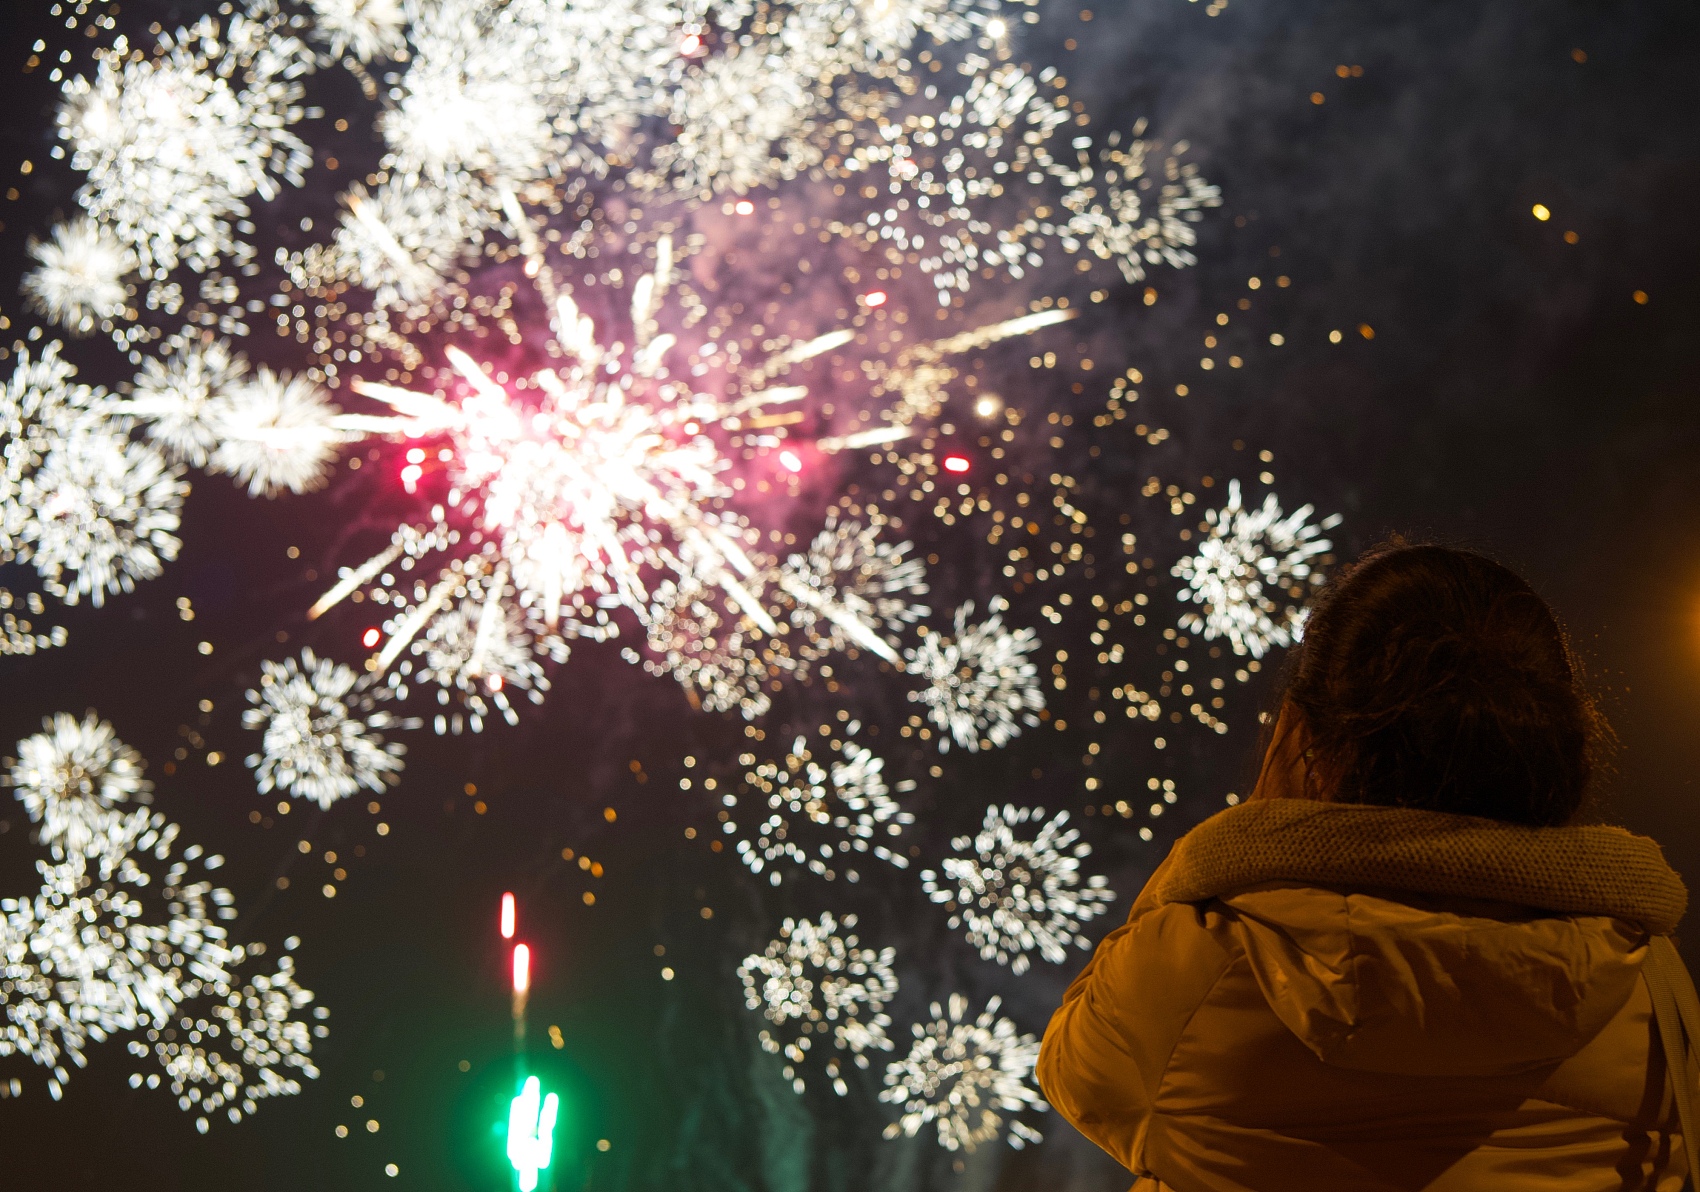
(956, 463)
(792, 462)
(874, 298)
(744, 207)
(522, 968)
(370, 638)
(507, 916)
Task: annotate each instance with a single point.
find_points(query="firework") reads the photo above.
(950, 164)
(1019, 896)
(609, 493)
(92, 509)
(817, 988)
(849, 584)
(820, 816)
(364, 29)
(90, 956)
(179, 399)
(320, 742)
(475, 652)
(963, 1077)
(981, 684)
(175, 143)
(105, 511)
(275, 433)
(1250, 573)
(80, 279)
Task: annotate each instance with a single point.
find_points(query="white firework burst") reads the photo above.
(73, 770)
(79, 281)
(275, 433)
(849, 583)
(963, 1076)
(1018, 896)
(39, 406)
(473, 99)
(174, 143)
(819, 988)
(105, 512)
(954, 158)
(179, 399)
(94, 511)
(1250, 573)
(364, 29)
(981, 685)
(320, 743)
(820, 817)
(716, 653)
(91, 955)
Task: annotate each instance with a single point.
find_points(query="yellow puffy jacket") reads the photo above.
(1319, 996)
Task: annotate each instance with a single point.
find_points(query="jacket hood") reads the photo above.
(1404, 941)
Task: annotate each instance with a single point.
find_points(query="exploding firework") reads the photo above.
(275, 433)
(963, 1077)
(322, 740)
(981, 684)
(80, 279)
(92, 509)
(1250, 572)
(179, 400)
(1019, 896)
(91, 956)
(819, 988)
(820, 817)
(174, 143)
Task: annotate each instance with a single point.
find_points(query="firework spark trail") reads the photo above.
(1017, 896)
(817, 986)
(963, 1077)
(819, 817)
(89, 956)
(1245, 565)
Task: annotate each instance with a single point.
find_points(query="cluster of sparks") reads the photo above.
(1014, 895)
(819, 988)
(590, 479)
(964, 1076)
(820, 816)
(124, 938)
(1249, 575)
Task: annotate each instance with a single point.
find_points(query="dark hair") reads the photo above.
(1436, 678)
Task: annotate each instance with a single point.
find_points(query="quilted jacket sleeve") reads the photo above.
(1102, 1062)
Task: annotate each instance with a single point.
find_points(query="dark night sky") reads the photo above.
(1514, 397)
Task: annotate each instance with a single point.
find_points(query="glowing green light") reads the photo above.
(531, 1132)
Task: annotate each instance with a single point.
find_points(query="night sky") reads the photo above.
(1497, 384)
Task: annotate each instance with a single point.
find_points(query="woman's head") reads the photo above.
(1432, 677)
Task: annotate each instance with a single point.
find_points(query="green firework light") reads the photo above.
(531, 1132)
(531, 1115)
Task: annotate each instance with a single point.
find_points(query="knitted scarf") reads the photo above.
(1586, 870)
